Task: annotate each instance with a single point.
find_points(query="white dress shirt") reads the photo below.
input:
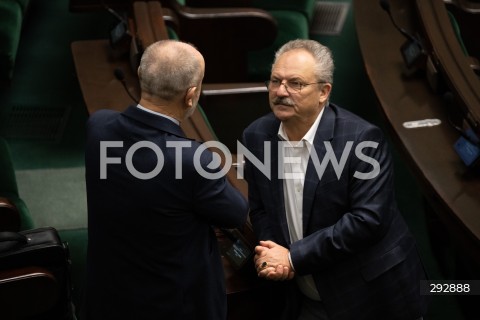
(158, 114)
(295, 161)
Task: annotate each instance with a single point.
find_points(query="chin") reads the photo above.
(282, 114)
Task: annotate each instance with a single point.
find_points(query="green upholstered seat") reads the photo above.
(11, 19)
(291, 25)
(306, 7)
(292, 18)
(8, 186)
(23, 4)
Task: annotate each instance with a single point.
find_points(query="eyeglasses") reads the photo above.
(295, 86)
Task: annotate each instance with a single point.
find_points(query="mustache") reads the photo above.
(283, 100)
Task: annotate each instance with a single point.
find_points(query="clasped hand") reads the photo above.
(271, 261)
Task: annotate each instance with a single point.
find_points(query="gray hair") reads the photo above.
(322, 55)
(168, 68)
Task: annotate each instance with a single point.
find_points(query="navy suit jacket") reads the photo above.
(152, 251)
(356, 244)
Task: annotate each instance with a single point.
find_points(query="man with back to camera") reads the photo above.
(332, 233)
(152, 250)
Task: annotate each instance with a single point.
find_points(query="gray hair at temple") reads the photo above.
(321, 54)
(168, 68)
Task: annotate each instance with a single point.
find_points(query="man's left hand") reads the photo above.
(271, 261)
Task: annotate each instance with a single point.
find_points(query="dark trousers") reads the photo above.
(312, 310)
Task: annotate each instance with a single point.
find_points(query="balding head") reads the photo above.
(168, 68)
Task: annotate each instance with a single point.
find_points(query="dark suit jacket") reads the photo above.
(356, 244)
(152, 251)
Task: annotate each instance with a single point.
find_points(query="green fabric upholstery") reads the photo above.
(11, 18)
(291, 25)
(293, 20)
(23, 4)
(306, 7)
(8, 185)
(172, 34)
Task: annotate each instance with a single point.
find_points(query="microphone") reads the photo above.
(385, 4)
(412, 50)
(120, 35)
(113, 12)
(120, 76)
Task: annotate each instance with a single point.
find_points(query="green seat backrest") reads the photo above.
(8, 185)
(306, 7)
(292, 25)
(293, 18)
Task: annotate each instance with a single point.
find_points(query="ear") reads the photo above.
(325, 92)
(189, 97)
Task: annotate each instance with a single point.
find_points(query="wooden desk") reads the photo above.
(450, 189)
(95, 66)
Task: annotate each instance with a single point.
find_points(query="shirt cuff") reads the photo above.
(290, 260)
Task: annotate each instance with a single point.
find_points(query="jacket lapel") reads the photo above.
(277, 190)
(276, 185)
(312, 178)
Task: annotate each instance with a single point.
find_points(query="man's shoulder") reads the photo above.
(265, 124)
(350, 121)
(102, 114)
(343, 114)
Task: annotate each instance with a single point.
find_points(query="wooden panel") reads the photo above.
(451, 60)
(95, 69)
(449, 186)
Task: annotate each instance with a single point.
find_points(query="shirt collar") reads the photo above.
(158, 114)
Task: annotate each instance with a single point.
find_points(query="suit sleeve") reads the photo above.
(371, 211)
(216, 199)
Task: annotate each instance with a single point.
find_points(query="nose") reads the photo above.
(282, 89)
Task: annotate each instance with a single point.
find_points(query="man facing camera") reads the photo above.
(154, 197)
(326, 217)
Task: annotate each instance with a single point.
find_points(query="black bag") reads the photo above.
(34, 275)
